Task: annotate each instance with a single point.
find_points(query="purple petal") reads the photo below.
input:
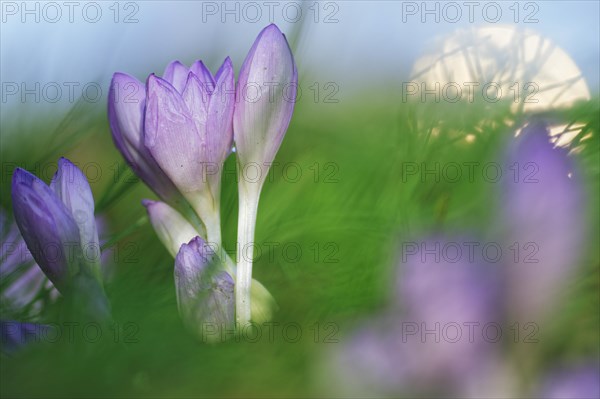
(543, 217)
(219, 124)
(126, 106)
(71, 186)
(220, 113)
(196, 96)
(13, 250)
(204, 292)
(25, 288)
(225, 67)
(127, 98)
(204, 75)
(14, 254)
(212, 111)
(265, 97)
(171, 136)
(21, 277)
(49, 230)
(176, 73)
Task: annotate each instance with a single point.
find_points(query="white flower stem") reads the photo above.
(208, 210)
(249, 194)
(210, 214)
(213, 237)
(213, 230)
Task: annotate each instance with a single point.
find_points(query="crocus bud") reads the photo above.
(126, 107)
(265, 99)
(188, 130)
(48, 228)
(172, 229)
(542, 214)
(58, 226)
(259, 123)
(204, 291)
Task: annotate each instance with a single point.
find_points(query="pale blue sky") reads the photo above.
(364, 42)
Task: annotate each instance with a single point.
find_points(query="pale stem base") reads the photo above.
(210, 214)
(246, 225)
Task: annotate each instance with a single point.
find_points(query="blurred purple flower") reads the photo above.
(542, 212)
(398, 351)
(581, 383)
(431, 337)
(456, 300)
(48, 224)
(204, 290)
(21, 279)
(59, 228)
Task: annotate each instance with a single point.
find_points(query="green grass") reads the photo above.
(350, 213)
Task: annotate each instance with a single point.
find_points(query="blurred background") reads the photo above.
(389, 90)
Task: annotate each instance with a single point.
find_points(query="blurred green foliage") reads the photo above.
(347, 212)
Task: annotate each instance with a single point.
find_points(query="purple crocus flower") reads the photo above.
(22, 280)
(58, 225)
(204, 290)
(177, 132)
(265, 99)
(174, 230)
(188, 130)
(542, 212)
(60, 218)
